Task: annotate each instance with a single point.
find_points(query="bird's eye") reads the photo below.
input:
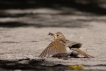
(57, 35)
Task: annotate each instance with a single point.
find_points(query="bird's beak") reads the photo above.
(51, 34)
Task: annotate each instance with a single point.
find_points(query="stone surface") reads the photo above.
(27, 36)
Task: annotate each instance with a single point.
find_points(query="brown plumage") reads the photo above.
(79, 51)
(53, 48)
(74, 46)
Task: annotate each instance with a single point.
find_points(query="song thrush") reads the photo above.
(73, 46)
(61, 47)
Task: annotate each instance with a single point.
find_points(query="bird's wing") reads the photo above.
(53, 48)
(72, 44)
(82, 53)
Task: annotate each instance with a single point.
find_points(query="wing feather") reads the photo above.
(53, 48)
(82, 53)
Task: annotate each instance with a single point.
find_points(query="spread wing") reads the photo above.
(53, 48)
(72, 44)
(82, 53)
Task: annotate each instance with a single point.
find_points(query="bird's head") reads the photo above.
(57, 35)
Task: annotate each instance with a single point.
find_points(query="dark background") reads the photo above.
(67, 7)
(94, 6)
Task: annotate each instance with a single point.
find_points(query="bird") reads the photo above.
(73, 47)
(61, 47)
